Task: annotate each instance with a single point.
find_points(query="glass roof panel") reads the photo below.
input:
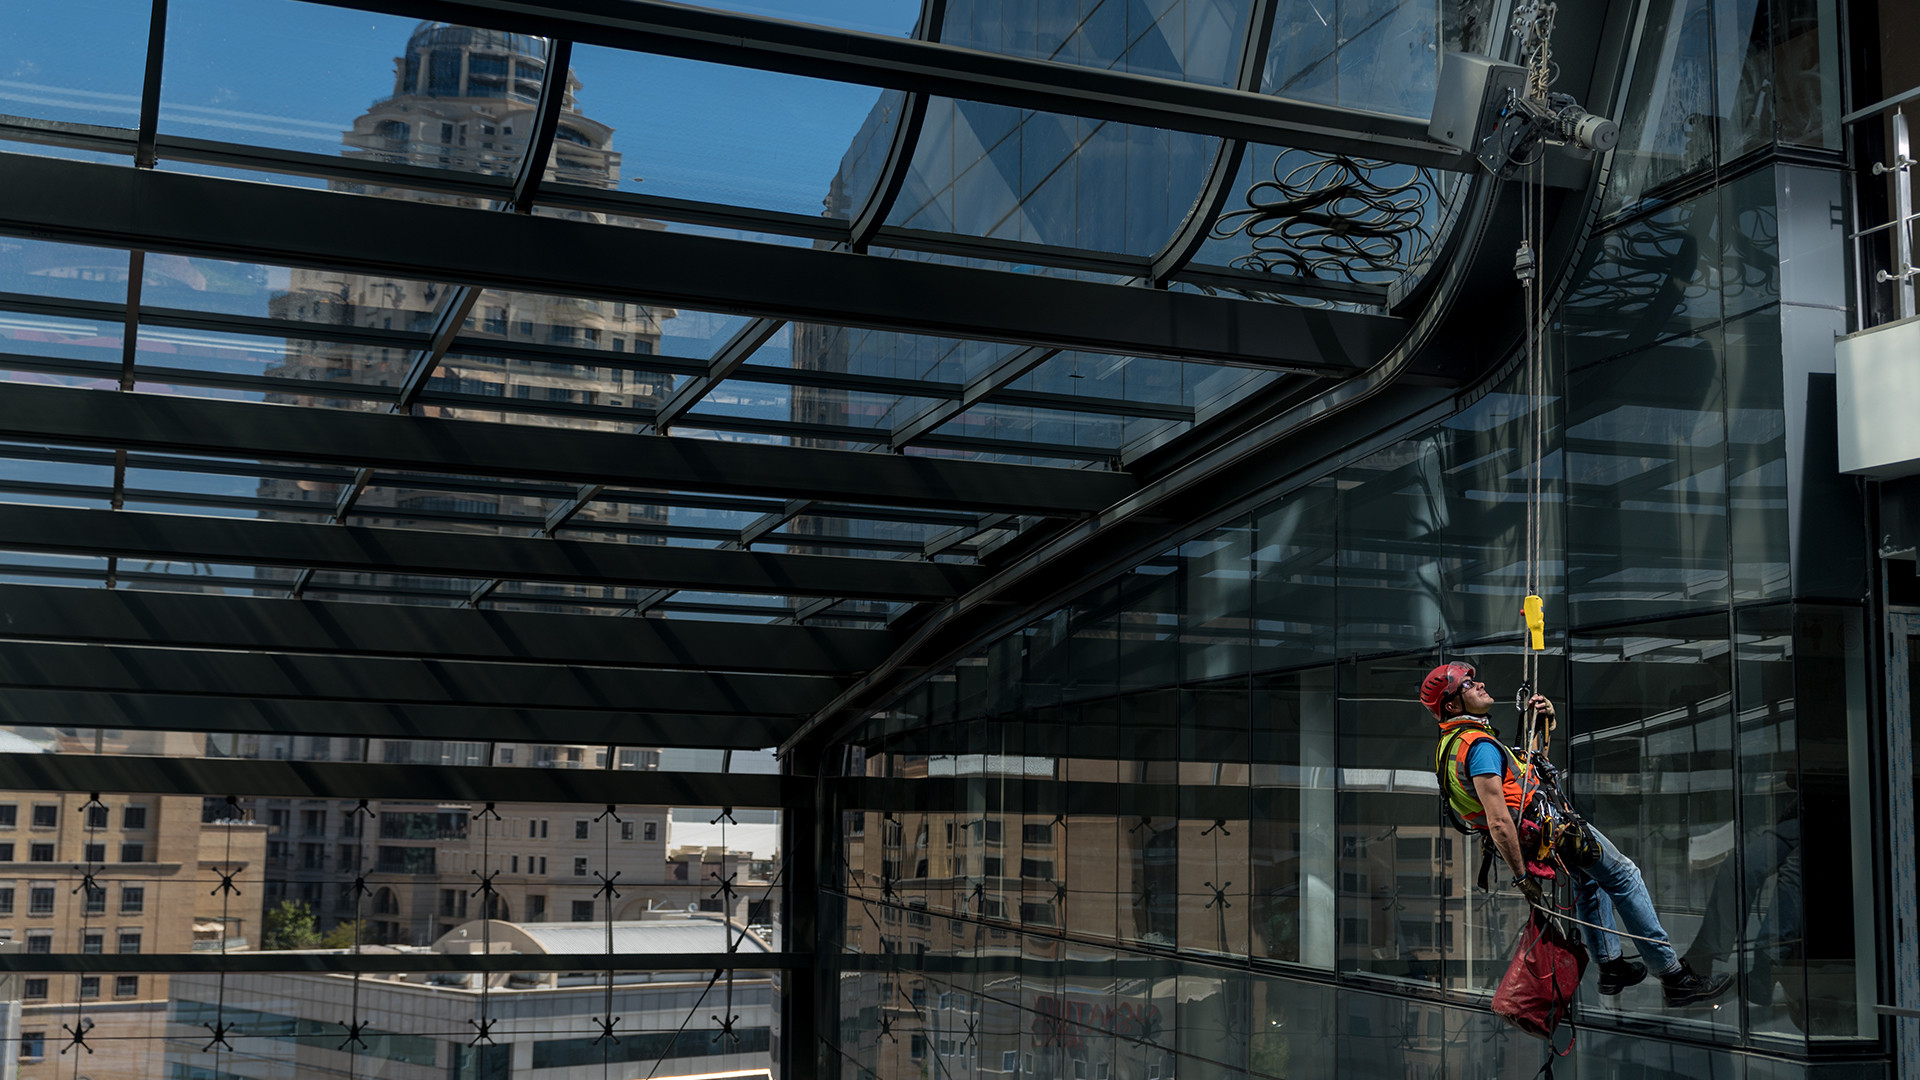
(299, 294)
(612, 326)
(1391, 218)
(1047, 178)
(518, 391)
(1199, 40)
(59, 350)
(1093, 436)
(844, 407)
(896, 17)
(81, 61)
(1075, 457)
(38, 568)
(322, 367)
(891, 354)
(69, 271)
(688, 130)
(49, 149)
(324, 80)
(1377, 55)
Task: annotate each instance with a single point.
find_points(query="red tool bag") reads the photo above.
(1536, 993)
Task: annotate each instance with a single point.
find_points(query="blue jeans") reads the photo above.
(1613, 886)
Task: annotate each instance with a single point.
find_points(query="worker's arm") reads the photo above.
(1506, 836)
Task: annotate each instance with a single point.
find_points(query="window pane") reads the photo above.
(80, 61)
(1652, 739)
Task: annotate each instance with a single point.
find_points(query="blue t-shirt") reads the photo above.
(1486, 759)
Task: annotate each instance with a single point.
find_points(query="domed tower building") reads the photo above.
(464, 100)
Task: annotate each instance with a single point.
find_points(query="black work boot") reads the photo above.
(1683, 987)
(1619, 973)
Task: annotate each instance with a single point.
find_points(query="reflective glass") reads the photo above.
(325, 80)
(44, 268)
(80, 61)
(1434, 538)
(1294, 579)
(1806, 71)
(61, 351)
(1802, 687)
(1053, 432)
(1373, 55)
(1661, 275)
(1647, 482)
(870, 16)
(990, 170)
(1776, 73)
(1750, 241)
(1666, 131)
(1390, 222)
(710, 132)
(1194, 40)
(1651, 718)
(1391, 850)
(297, 294)
(1757, 485)
(165, 354)
(1293, 845)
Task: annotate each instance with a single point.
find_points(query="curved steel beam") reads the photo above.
(900, 149)
(1186, 242)
(1279, 451)
(820, 52)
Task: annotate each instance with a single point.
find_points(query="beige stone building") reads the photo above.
(118, 875)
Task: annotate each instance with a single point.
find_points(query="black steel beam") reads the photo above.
(439, 723)
(371, 440)
(725, 362)
(366, 549)
(546, 124)
(280, 961)
(1193, 232)
(392, 680)
(977, 389)
(925, 67)
(91, 203)
(255, 778)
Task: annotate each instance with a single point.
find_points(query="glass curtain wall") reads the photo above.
(1189, 823)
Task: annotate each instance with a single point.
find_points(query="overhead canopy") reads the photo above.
(459, 398)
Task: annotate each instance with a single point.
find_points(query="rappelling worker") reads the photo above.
(1477, 770)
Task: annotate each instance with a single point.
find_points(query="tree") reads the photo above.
(345, 935)
(289, 925)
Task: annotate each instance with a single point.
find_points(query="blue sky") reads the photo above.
(292, 75)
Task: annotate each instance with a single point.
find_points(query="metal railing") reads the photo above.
(1902, 273)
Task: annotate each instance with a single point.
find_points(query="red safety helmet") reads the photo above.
(1442, 683)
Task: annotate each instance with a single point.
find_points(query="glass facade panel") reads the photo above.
(1666, 131)
(1651, 712)
(1647, 466)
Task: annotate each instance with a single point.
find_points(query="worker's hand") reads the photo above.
(1531, 888)
(1541, 710)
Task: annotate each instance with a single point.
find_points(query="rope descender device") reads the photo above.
(1535, 610)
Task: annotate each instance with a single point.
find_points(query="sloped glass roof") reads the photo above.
(787, 140)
